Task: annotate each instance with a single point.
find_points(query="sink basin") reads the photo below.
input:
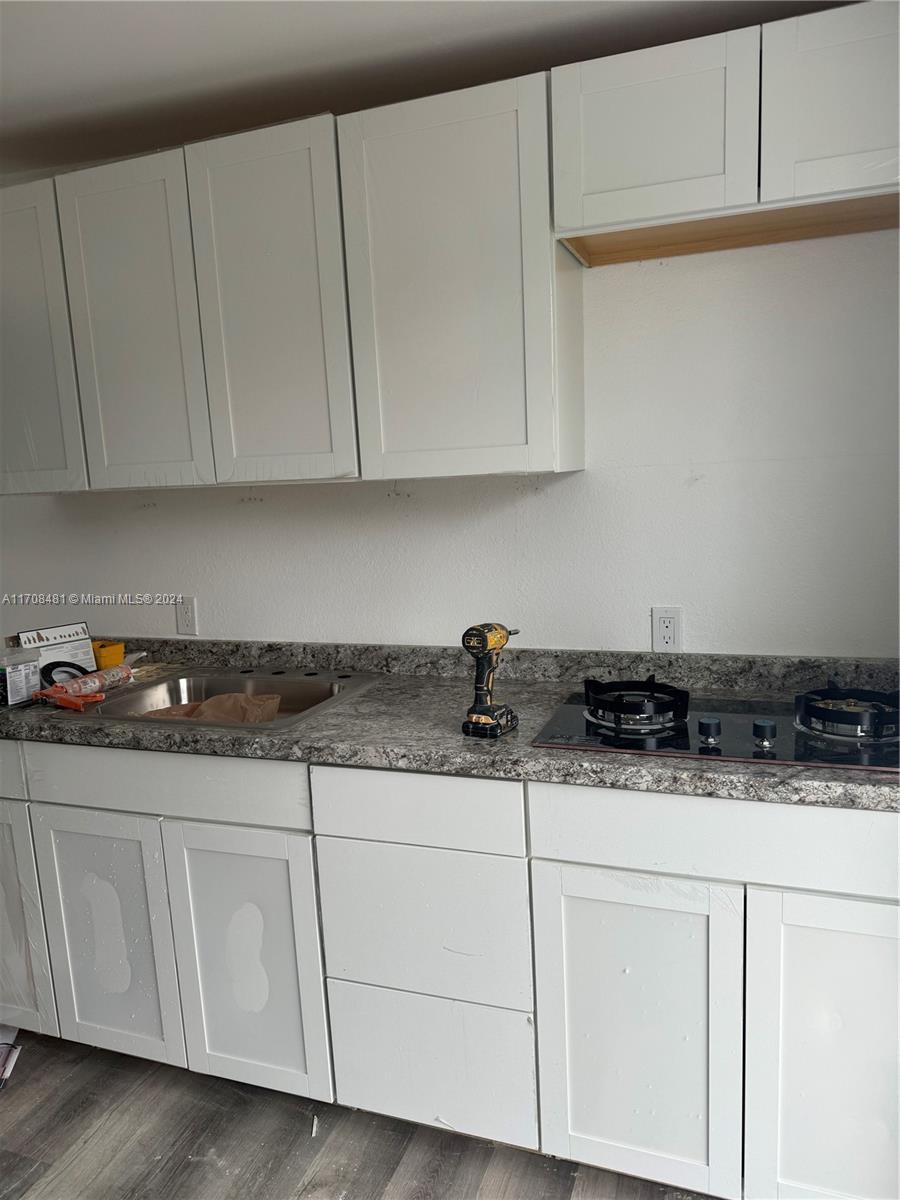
(301, 692)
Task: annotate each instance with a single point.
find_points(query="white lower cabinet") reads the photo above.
(460, 1066)
(822, 1047)
(106, 904)
(639, 1000)
(249, 960)
(26, 989)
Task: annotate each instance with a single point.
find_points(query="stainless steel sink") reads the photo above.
(302, 693)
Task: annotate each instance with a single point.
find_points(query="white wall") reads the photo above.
(742, 462)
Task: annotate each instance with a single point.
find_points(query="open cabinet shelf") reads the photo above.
(759, 227)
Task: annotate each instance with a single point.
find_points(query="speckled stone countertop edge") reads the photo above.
(412, 723)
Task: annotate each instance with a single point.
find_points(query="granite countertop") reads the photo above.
(412, 723)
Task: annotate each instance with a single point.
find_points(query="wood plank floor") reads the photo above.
(84, 1124)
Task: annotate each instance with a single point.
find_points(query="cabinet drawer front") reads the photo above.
(247, 940)
(436, 921)
(439, 1062)
(423, 810)
(204, 787)
(751, 842)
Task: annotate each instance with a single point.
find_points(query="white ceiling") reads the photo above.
(84, 80)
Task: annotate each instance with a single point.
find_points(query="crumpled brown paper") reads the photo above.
(231, 708)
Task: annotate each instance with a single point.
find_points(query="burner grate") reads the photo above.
(853, 713)
(635, 706)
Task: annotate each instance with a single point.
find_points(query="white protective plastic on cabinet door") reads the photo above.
(26, 988)
(106, 904)
(250, 965)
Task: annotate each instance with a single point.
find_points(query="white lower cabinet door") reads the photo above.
(107, 909)
(26, 988)
(448, 1063)
(822, 1047)
(639, 1002)
(249, 959)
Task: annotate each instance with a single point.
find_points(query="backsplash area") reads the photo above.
(752, 675)
(741, 438)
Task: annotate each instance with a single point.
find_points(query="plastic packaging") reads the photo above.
(86, 689)
(20, 675)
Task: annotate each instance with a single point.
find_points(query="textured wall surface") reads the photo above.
(742, 463)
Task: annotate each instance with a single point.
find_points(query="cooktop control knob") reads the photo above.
(710, 730)
(764, 731)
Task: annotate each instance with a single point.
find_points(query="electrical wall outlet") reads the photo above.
(666, 626)
(186, 616)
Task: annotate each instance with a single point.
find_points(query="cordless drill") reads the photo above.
(486, 719)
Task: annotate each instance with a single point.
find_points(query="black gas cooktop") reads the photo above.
(830, 727)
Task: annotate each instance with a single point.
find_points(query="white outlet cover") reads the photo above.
(186, 616)
(666, 630)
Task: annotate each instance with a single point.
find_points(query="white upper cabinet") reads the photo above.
(456, 292)
(40, 424)
(656, 133)
(829, 102)
(265, 213)
(126, 238)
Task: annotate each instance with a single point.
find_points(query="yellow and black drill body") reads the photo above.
(486, 719)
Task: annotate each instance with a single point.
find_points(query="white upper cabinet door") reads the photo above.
(249, 960)
(40, 421)
(822, 1048)
(106, 905)
(265, 211)
(452, 283)
(657, 133)
(829, 102)
(26, 988)
(640, 1006)
(126, 238)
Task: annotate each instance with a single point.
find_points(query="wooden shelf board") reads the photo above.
(829, 218)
